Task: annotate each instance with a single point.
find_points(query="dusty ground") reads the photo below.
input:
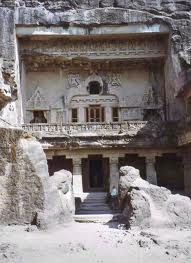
(88, 242)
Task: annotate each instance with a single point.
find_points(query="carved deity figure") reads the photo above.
(74, 81)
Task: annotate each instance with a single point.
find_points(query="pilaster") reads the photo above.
(114, 172)
(150, 170)
(77, 176)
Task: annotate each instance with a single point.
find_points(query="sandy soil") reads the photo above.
(90, 242)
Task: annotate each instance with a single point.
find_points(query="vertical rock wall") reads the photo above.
(27, 195)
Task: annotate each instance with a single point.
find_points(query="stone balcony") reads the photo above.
(131, 133)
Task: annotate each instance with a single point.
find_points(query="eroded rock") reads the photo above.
(144, 204)
(27, 193)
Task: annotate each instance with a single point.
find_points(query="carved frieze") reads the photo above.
(93, 99)
(127, 48)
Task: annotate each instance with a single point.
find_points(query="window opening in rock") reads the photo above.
(94, 88)
(74, 115)
(115, 114)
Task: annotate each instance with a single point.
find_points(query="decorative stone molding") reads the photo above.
(84, 100)
(131, 48)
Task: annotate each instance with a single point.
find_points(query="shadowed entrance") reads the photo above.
(96, 173)
(95, 170)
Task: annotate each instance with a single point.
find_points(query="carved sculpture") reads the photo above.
(5, 90)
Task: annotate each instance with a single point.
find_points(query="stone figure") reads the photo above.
(5, 90)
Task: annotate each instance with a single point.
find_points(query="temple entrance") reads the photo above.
(95, 171)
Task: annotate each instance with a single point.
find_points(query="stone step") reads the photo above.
(96, 218)
(94, 211)
(94, 205)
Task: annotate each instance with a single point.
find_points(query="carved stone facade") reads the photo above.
(99, 84)
(103, 100)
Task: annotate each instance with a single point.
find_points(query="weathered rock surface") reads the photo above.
(59, 203)
(27, 194)
(148, 205)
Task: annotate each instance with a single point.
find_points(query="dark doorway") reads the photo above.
(170, 172)
(95, 172)
(58, 163)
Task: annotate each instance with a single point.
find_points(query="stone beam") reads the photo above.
(52, 31)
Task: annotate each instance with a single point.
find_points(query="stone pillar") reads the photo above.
(108, 114)
(150, 170)
(114, 172)
(81, 115)
(77, 176)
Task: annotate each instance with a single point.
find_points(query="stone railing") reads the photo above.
(87, 129)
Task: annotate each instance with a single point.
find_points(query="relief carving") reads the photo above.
(113, 48)
(74, 81)
(115, 80)
(37, 101)
(151, 99)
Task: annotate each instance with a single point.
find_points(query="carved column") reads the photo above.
(81, 115)
(150, 170)
(108, 114)
(114, 172)
(77, 175)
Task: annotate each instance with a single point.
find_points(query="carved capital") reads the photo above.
(114, 160)
(77, 162)
(150, 160)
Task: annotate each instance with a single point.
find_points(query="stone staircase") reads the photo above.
(94, 208)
